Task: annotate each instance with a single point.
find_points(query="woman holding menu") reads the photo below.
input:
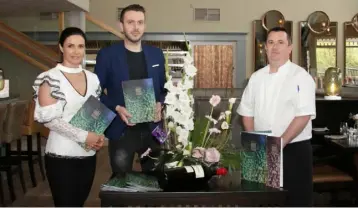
(59, 93)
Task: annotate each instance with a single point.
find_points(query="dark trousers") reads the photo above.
(297, 173)
(70, 179)
(122, 150)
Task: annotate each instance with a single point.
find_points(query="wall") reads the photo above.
(84, 4)
(21, 74)
(236, 16)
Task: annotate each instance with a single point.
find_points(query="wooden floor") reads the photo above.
(40, 196)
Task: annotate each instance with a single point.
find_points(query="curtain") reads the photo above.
(215, 66)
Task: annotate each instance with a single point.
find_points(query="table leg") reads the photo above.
(355, 160)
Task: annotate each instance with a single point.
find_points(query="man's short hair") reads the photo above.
(280, 29)
(132, 7)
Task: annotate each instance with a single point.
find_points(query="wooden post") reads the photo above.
(61, 22)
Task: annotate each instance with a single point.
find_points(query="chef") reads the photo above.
(281, 98)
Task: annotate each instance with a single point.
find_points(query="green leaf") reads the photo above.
(231, 159)
(197, 133)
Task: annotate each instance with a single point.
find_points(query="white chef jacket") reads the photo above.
(275, 99)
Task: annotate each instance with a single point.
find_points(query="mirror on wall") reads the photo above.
(270, 19)
(318, 44)
(351, 52)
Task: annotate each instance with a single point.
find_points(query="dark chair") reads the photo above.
(328, 179)
(3, 111)
(11, 132)
(28, 129)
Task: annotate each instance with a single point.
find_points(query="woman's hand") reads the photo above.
(94, 141)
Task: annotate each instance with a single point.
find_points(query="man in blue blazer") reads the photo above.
(130, 60)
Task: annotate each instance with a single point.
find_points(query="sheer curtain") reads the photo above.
(215, 66)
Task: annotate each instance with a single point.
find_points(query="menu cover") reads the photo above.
(274, 162)
(253, 157)
(132, 182)
(93, 116)
(139, 98)
(261, 159)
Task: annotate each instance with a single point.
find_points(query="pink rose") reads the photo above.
(212, 155)
(215, 100)
(198, 152)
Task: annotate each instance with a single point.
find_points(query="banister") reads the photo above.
(23, 56)
(27, 38)
(51, 62)
(103, 26)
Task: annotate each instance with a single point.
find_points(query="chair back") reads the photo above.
(29, 114)
(14, 120)
(30, 126)
(3, 112)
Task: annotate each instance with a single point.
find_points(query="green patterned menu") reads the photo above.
(93, 116)
(139, 98)
(132, 182)
(253, 157)
(261, 159)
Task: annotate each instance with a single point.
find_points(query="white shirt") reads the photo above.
(275, 99)
(64, 139)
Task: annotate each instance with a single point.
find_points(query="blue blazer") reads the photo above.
(112, 68)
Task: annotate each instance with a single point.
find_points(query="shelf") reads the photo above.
(175, 52)
(176, 65)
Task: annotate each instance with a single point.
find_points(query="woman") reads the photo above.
(59, 94)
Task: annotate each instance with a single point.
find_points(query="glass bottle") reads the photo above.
(2, 79)
(189, 178)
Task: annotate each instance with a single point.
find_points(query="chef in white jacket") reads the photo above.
(281, 98)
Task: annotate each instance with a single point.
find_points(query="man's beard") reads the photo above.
(131, 39)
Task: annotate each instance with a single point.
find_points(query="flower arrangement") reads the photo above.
(191, 140)
(355, 118)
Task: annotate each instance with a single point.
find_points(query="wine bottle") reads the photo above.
(187, 178)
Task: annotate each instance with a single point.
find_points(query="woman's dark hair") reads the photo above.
(71, 31)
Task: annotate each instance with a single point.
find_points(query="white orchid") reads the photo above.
(227, 113)
(190, 70)
(214, 130)
(211, 119)
(232, 100)
(188, 59)
(179, 101)
(222, 116)
(170, 99)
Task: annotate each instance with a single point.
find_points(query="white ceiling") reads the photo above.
(25, 7)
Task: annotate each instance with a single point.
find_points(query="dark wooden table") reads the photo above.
(349, 147)
(345, 144)
(248, 194)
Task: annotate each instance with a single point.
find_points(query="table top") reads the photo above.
(245, 186)
(11, 97)
(247, 194)
(345, 143)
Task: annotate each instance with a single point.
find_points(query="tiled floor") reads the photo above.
(40, 196)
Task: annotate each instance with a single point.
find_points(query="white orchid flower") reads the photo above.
(224, 125)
